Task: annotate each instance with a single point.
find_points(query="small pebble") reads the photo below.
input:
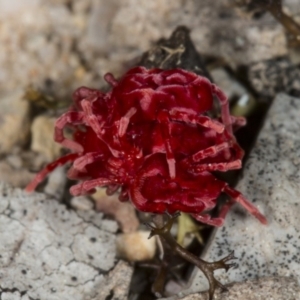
(42, 131)
(15, 161)
(56, 183)
(82, 203)
(136, 246)
(14, 121)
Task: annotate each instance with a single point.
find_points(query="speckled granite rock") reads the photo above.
(275, 75)
(275, 288)
(49, 252)
(271, 181)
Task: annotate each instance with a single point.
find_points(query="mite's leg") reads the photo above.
(72, 118)
(164, 121)
(165, 118)
(88, 158)
(194, 162)
(49, 168)
(92, 120)
(207, 219)
(222, 167)
(225, 114)
(86, 186)
(239, 198)
(238, 122)
(124, 121)
(193, 118)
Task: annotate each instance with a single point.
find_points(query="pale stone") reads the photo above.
(15, 177)
(231, 87)
(12, 7)
(42, 141)
(56, 183)
(136, 246)
(82, 203)
(14, 120)
(123, 212)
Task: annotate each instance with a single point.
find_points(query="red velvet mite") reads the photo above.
(152, 138)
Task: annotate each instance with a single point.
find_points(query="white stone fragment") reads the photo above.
(82, 203)
(50, 252)
(14, 161)
(136, 246)
(123, 212)
(56, 183)
(271, 182)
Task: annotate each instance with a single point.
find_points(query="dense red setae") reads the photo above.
(151, 136)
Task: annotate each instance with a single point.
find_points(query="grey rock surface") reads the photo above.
(271, 181)
(50, 252)
(218, 28)
(275, 75)
(61, 45)
(275, 288)
(116, 283)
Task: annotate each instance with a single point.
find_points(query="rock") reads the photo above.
(275, 288)
(271, 181)
(15, 6)
(51, 252)
(56, 183)
(33, 161)
(15, 161)
(123, 212)
(231, 87)
(272, 76)
(136, 246)
(14, 121)
(60, 45)
(15, 177)
(217, 28)
(234, 90)
(43, 49)
(115, 286)
(42, 131)
(81, 203)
